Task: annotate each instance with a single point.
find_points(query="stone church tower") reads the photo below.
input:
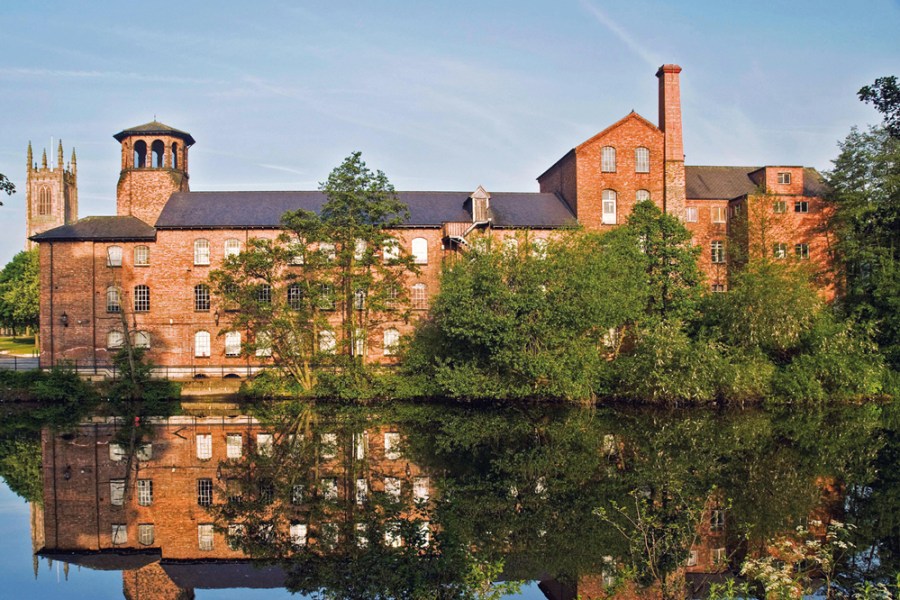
(154, 166)
(51, 194)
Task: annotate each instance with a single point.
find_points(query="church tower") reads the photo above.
(51, 194)
(154, 166)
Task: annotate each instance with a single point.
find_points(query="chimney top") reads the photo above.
(668, 69)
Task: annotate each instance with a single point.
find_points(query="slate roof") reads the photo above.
(119, 229)
(219, 574)
(155, 128)
(105, 560)
(218, 210)
(724, 183)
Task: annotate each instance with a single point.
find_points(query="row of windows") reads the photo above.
(608, 159)
(718, 214)
(327, 343)
(779, 251)
(390, 251)
(157, 152)
(610, 199)
(234, 444)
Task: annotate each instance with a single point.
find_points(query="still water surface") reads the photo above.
(447, 502)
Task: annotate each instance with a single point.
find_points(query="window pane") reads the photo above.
(419, 298)
(114, 256)
(201, 344)
(642, 160)
(392, 445)
(205, 536)
(145, 534)
(145, 492)
(690, 214)
(642, 195)
(141, 298)
(119, 534)
(141, 256)
(113, 305)
(390, 250)
(608, 159)
(609, 207)
(232, 247)
(117, 492)
(204, 446)
(201, 297)
(201, 252)
(391, 339)
(420, 251)
(327, 342)
(233, 343)
(234, 443)
(204, 492)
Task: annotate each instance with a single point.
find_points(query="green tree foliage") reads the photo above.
(865, 195)
(669, 262)
(529, 321)
(6, 186)
(884, 94)
(329, 272)
(20, 291)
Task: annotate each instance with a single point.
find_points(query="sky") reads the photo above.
(438, 95)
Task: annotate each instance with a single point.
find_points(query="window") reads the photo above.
(390, 251)
(233, 343)
(201, 344)
(114, 256)
(234, 443)
(144, 452)
(327, 342)
(326, 296)
(391, 340)
(362, 491)
(393, 294)
(141, 256)
(205, 536)
(235, 535)
(718, 252)
(264, 293)
(116, 452)
(362, 538)
(329, 445)
(201, 297)
(420, 251)
(359, 249)
(204, 492)
(608, 159)
(641, 160)
(140, 154)
(328, 535)
(642, 195)
(359, 342)
(297, 494)
(690, 214)
(174, 156)
(392, 488)
(359, 299)
(115, 340)
(779, 207)
(234, 491)
(141, 298)
(327, 250)
(265, 444)
(329, 488)
(718, 288)
(263, 344)
(232, 247)
(119, 534)
(717, 520)
(157, 149)
(117, 492)
(717, 214)
(113, 304)
(693, 558)
(424, 534)
(204, 446)
(784, 178)
(295, 296)
(539, 248)
(609, 207)
(392, 445)
(779, 250)
(419, 298)
(145, 492)
(360, 444)
(45, 204)
(392, 537)
(201, 252)
(298, 532)
(420, 489)
(801, 206)
(145, 534)
(802, 251)
(718, 556)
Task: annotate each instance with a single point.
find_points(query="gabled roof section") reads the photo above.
(118, 229)
(263, 210)
(155, 128)
(629, 117)
(725, 183)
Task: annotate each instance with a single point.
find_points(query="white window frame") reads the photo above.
(205, 536)
(327, 342)
(801, 251)
(201, 251)
(391, 341)
(204, 446)
(691, 214)
(328, 448)
(142, 298)
(718, 214)
(717, 252)
(329, 487)
(202, 348)
(117, 492)
(419, 297)
(392, 445)
(362, 490)
(263, 344)
(421, 489)
(609, 201)
(234, 445)
(141, 256)
(145, 492)
(204, 492)
(265, 444)
(801, 206)
(641, 160)
(113, 300)
(608, 159)
(419, 247)
(119, 534)
(642, 196)
(393, 487)
(232, 247)
(779, 250)
(299, 533)
(390, 250)
(146, 534)
(233, 343)
(114, 256)
(115, 339)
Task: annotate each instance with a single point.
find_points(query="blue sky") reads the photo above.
(441, 96)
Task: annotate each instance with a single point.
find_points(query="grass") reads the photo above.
(18, 345)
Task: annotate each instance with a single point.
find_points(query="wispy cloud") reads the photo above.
(281, 168)
(112, 75)
(638, 47)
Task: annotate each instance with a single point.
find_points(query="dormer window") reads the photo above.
(481, 204)
(784, 178)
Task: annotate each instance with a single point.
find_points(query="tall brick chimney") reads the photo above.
(670, 124)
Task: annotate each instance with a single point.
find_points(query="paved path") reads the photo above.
(18, 363)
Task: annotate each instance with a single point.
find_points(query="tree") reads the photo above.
(339, 269)
(20, 291)
(6, 186)
(669, 262)
(885, 95)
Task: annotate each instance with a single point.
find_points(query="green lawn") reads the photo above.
(18, 345)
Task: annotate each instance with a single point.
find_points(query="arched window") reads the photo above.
(232, 247)
(141, 298)
(641, 160)
(608, 159)
(201, 297)
(201, 344)
(114, 340)
(233, 343)
(295, 296)
(114, 256)
(391, 339)
(141, 256)
(420, 251)
(419, 297)
(609, 207)
(327, 342)
(201, 252)
(141, 339)
(140, 154)
(642, 195)
(158, 150)
(390, 250)
(45, 203)
(174, 155)
(113, 303)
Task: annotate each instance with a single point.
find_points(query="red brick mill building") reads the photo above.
(156, 254)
